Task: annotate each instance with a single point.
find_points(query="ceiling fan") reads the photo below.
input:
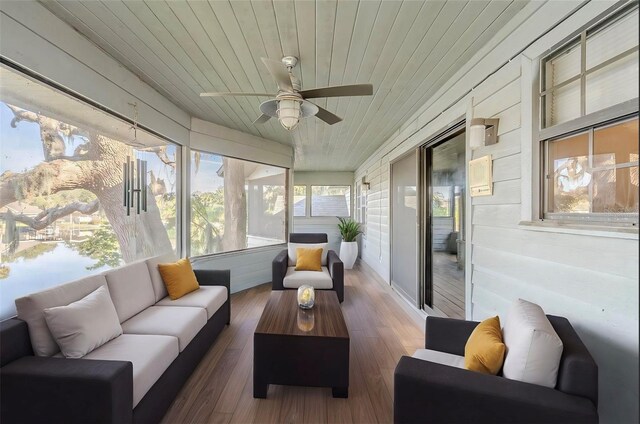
(291, 104)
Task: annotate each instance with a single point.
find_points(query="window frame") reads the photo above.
(584, 123)
(306, 201)
(187, 197)
(310, 196)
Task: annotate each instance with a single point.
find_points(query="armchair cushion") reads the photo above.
(293, 255)
(309, 259)
(319, 280)
(533, 347)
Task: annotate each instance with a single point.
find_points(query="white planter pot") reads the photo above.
(348, 253)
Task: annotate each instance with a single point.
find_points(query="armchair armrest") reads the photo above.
(447, 334)
(426, 391)
(279, 270)
(59, 390)
(336, 270)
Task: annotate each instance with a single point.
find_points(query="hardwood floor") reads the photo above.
(448, 285)
(381, 330)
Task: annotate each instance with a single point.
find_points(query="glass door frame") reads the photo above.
(425, 265)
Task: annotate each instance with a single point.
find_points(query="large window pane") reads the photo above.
(569, 177)
(611, 40)
(616, 144)
(615, 190)
(235, 204)
(331, 201)
(62, 213)
(300, 200)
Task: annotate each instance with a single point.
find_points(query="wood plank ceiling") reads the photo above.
(406, 49)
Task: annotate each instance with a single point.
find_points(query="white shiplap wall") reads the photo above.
(590, 279)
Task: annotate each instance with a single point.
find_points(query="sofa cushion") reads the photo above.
(441, 358)
(318, 280)
(150, 355)
(30, 309)
(533, 347)
(159, 289)
(210, 298)
(85, 324)
(293, 256)
(181, 322)
(131, 289)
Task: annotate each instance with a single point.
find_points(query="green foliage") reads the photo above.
(207, 222)
(349, 229)
(102, 246)
(62, 198)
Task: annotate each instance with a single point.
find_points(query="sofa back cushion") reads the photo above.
(533, 347)
(159, 289)
(131, 289)
(30, 309)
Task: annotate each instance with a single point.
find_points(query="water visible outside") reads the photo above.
(59, 265)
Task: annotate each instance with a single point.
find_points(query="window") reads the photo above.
(595, 71)
(361, 206)
(590, 160)
(235, 204)
(300, 200)
(62, 183)
(331, 201)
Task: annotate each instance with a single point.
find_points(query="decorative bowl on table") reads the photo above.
(306, 296)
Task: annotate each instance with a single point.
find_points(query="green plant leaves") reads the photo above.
(349, 229)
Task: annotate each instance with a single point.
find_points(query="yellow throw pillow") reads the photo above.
(484, 351)
(309, 259)
(179, 278)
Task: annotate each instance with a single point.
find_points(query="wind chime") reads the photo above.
(135, 175)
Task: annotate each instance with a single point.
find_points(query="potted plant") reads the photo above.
(349, 230)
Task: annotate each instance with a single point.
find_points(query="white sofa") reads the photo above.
(157, 332)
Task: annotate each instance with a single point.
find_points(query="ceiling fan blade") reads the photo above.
(338, 91)
(236, 94)
(327, 116)
(279, 74)
(262, 119)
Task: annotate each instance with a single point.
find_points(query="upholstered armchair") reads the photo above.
(433, 386)
(284, 275)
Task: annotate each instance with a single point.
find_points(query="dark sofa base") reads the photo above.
(160, 396)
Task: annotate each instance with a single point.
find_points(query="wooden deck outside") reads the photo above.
(221, 388)
(448, 285)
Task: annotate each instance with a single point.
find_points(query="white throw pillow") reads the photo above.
(84, 325)
(533, 347)
(293, 257)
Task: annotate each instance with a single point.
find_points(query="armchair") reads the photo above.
(285, 277)
(428, 391)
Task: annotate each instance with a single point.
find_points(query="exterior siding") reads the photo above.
(590, 279)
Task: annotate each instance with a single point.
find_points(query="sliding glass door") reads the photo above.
(444, 182)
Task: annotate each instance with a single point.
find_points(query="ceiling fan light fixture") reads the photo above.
(289, 113)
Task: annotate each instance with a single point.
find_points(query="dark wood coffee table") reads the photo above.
(299, 347)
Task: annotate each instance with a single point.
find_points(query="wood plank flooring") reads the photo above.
(221, 388)
(448, 285)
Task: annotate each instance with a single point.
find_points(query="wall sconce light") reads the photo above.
(483, 132)
(366, 183)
